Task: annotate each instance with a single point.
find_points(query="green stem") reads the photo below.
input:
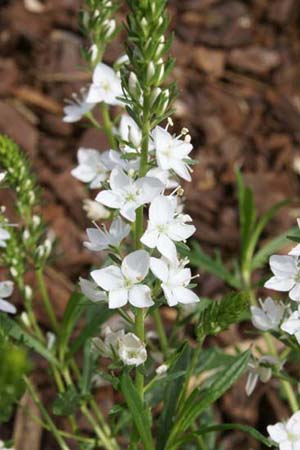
(61, 442)
(107, 125)
(46, 299)
(161, 332)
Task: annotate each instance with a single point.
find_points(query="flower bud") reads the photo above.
(14, 272)
(94, 210)
(47, 247)
(155, 94)
(51, 338)
(110, 26)
(2, 176)
(162, 369)
(25, 319)
(36, 220)
(26, 235)
(28, 292)
(150, 71)
(133, 84)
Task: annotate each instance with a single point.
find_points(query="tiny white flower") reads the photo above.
(4, 236)
(6, 289)
(91, 290)
(130, 132)
(259, 369)
(172, 152)
(2, 176)
(123, 284)
(286, 434)
(175, 279)
(269, 316)
(165, 226)
(286, 270)
(292, 325)
(102, 239)
(106, 86)
(127, 194)
(132, 350)
(296, 250)
(77, 108)
(161, 370)
(94, 210)
(93, 167)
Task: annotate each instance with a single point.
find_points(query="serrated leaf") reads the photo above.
(139, 413)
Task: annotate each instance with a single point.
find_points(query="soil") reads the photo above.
(238, 72)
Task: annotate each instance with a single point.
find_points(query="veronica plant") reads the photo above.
(168, 387)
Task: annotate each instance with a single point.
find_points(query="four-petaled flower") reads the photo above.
(6, 289)
(93, 167)
(269, 316)
(127, 194)
(102, 239)
(106, 86)
(172, 152)
(175, 278)
(286, 270)
(77, 108)
(286, 434)
(166, 226)
(123, 284)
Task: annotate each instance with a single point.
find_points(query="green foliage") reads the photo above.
(66, 402)
(219, 315)
(12, 368)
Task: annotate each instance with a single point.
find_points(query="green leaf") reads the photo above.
(66, 402)
(139, 413)
(197, 402)
(219, 315)
(171, 396)
(14, 331)
(76, 304)
(215, 266)
(90, 358)
(228, 426)
(271, 247)
(97, 314)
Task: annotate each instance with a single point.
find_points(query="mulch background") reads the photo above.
(238, 71)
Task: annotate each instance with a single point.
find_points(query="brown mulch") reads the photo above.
(238, 70)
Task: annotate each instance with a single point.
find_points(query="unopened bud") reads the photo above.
(25, 319)
(187, 138)
(155, 94)
(160, 47)
(26, 235)
(110, 26)
(133, 84)
(2, 176)
(47, 247)
(36, 220)
(28, 292)
(14, 272)
(150, 71)
(51, 338)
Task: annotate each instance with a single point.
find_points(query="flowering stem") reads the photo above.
(46, 299)
(108, 126)
(161, 332)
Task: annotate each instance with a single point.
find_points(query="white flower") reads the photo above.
(161, 370)
(6, 289)
(123, 284)
(129, 165)
(286, 434)
(175, 279)
(106, 86)
(77, 108)
(132, 350)
(94, 210)
(4, 236)
(2, 176)
(292, 325)
(296, 250)
(165, 226)
(130, 132)
(172, 152)
(103, 239)
(109, 345)
(127, 194)
(259, 369)
(91, 290)
(164, 177)
(269, 316)
(93, 167)
(286, 277)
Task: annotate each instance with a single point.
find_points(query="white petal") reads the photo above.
(7, 307)
(128, 211)
(293, 424)
(283, 265)
(294, 293)
(180, 168)
(119, 180)
(150, 188)
(83, 173)
(4, 234)
(140, 296)
(179, 231)
(169, 294)
(161, 210)
(277, 432)
(292, 324)
(91, 290)
(159, 268)
(150, 238)
(260, 319)
(118, 231)
(185, 295)
(135, 266)
(108, 278)
(167, 248)
(251, 382)
(6, 288)
(103, 72)
(279, 284)
(110, 199)
(162, 139)
(95, 94)
(117, 298)
(295, 250)
(98, 240)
